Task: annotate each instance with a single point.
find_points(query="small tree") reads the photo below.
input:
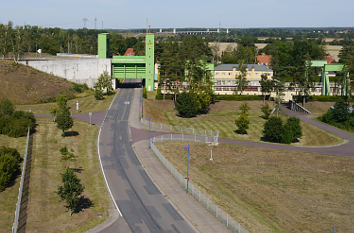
(242, 123)
(244, 108)
(187, 105)
(266, 85)
(266, 111)
(273, 129)
(63, 118)
(70, 190)
(241, 81)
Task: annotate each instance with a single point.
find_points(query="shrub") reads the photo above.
(144, 93)
(6, 107)
(187, 105)
(242, 124)
(159, 95)
(9, 166)
(80, 87)
(273, 129)
(292, 130)
(266, 111)
(99, 94)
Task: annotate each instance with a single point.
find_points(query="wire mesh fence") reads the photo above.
(20, 191)
(224, 217)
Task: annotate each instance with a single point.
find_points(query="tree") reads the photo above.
(266, 111)
(242, 123)
(241, 81)
(70, 190)
(104, 83)
(63, 117)
(266, 85)
(273, 129)
(244, 108)
(187, 105)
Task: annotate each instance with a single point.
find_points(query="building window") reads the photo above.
(229, 73)
(223, 73)
(217, 73)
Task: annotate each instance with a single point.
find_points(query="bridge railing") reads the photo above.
(297, 108)
(213, 208)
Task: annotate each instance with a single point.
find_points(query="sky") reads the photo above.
(121, 14)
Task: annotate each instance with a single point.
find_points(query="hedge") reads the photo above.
(239, 97)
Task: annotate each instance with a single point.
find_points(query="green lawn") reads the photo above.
(46, 212)
(8, 198)
(270, 190)
(86, 104)
(221, 117)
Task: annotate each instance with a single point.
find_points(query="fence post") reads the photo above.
(239, 228)
(227, 220)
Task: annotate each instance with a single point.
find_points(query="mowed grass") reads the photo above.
(46, 212)
(8, 198)
(86, 104)
(269, 190)
(221, 117)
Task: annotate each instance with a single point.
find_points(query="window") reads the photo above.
(223, 73)
(217, 73)
(229, 73)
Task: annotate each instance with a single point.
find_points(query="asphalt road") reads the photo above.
(143, 207)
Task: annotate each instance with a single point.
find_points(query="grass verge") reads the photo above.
(8, 198)
(46, 213)
(86, 104)
(221, 117)
(270, 190)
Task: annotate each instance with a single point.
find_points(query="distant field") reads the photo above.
(25, 85)
(86, 104)
(269, 190)
(45, 212)
(8, 198)
(221, 117)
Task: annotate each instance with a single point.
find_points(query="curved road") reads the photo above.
(143, 207)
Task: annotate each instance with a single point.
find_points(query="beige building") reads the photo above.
(225, 78)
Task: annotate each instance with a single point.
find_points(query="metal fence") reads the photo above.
(19, 198)
(184, 131)
(224, 217)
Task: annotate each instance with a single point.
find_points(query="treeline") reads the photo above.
(16, 41)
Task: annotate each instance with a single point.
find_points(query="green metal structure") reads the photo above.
(125, 67)
(326, 90)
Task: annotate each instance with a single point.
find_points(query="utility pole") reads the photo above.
(95, 23)
(85, 21)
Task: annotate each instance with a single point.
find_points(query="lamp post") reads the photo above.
(187, 148)
(149, 118)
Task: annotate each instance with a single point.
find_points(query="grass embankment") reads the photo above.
(271, 190)
(222, 117)
(45, 212)
(25, 85)
(8, 198)
(86, 104)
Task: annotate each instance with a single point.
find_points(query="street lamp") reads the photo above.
(187, 148)
(149, 118)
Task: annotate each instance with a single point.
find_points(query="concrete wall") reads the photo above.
(78, 70)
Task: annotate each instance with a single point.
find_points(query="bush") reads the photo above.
(266, 111)
(187, 105)
(9, 166)
(159, 95)
(80, 87)
(292, 130)
(244, 108)
(99, 94)
(242, 124)
(6, 107)
(144, 93)
(238, 97)
(273, 129)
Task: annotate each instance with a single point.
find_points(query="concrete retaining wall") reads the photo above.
(78, 70)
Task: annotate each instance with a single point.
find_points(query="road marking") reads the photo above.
(127, 102)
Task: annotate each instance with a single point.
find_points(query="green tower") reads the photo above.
(103, 45)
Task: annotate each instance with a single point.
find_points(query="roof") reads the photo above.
(129, 52)
(230, 67)
(264, 59)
